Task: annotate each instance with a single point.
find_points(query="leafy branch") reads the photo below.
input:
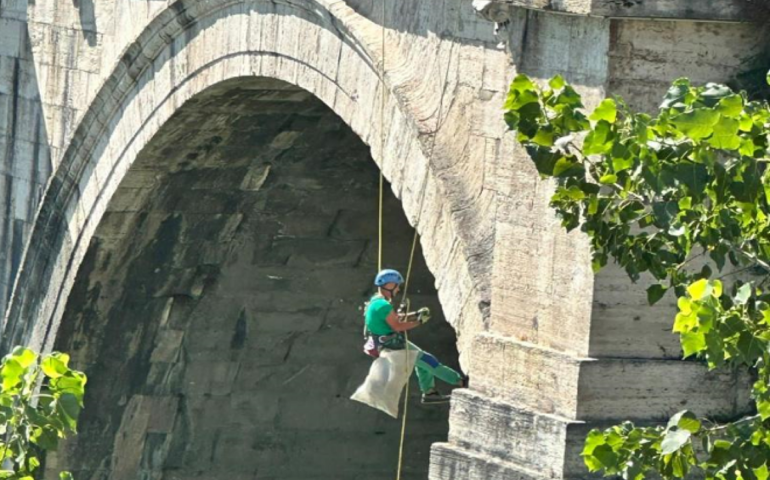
(654, 194)
(30, 422)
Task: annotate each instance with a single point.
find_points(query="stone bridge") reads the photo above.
(190, 209)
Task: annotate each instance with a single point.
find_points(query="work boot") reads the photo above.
(434, 397)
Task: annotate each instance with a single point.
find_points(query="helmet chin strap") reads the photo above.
(390, 291)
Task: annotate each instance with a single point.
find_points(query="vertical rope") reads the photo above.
(414, 240)
(409, 267)
(383, 88)
(379, 233)
(403, 418)
(384, 91)
(406, 338)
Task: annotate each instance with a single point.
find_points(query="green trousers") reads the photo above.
(428, 368)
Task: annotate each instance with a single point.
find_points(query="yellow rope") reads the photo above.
(379, 240)
(380, 245)
(403, 419)
(382, 141)
(406, 339)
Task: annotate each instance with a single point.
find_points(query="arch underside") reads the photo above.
(191, 46)
(216, 311)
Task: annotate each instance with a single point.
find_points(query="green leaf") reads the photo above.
(73, 383)
(763, 408)
(575, 193)
(685, 420)
(664, 213)
(599, 140)
(24, 356)
(568, 167)
(544, 137)
(529, 121)
(655, 293)
(725, 135)
(65, 476)
(715, 92)
(606, 455)
(69, 406)
(12, 372)
(748, 148)
(694, 175)
(750, 348)
(511, 119)
(743, 295)
(698, 123)
(569, 97)
(516, 101)
(47, 439)
(557, 82)
(607, 111)
(676, 94)
(608, 179)
(716, 290)
(522, 83)
(593, 440)
(699, 289)
(673, 441)
(692, 343)
(684, 322)
(54, 366)
(545, 160)
(762, 472)
(730, 106)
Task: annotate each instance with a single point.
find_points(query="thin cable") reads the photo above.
(379, 255)
(379, 234)
(409, 267)
(414, 242)
(406, 369)
(382, 140)
(403, 418)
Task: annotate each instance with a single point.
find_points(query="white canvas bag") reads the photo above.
(387, 377)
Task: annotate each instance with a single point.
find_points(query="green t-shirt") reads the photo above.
(376, 316)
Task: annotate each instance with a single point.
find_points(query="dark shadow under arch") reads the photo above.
(216, 311)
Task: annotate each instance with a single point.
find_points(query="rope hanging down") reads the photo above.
(384, 91)
(404, 294)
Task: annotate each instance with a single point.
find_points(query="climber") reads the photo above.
(384, 331)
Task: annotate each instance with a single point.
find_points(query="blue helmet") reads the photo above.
(388, 276)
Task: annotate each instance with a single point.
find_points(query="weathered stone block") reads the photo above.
(448, 462)
(489, 427)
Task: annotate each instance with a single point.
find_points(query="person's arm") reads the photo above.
(397, 325)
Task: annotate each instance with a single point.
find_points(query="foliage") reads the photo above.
(654, 193)
(40, 401)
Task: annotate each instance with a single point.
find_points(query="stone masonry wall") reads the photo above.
(217, 310)
(545, 341)
(550, 367)
(25, 160)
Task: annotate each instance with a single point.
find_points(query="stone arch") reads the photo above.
(216, 309)
(320, 46)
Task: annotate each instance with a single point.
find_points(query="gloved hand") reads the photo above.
(423, 315)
